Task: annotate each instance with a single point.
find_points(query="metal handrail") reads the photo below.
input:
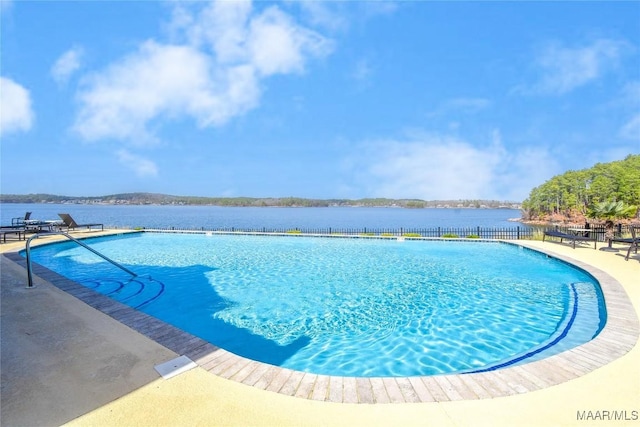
(68, 236)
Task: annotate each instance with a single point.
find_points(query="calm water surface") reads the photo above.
(212, 217)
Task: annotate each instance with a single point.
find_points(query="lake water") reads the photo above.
(217, 217)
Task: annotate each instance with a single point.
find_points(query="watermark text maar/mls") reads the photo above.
(608, 415)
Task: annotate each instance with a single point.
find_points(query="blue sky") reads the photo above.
(428, 100)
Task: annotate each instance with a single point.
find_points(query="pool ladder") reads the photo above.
(73, 239)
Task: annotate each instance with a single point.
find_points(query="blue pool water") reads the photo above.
(351, 307)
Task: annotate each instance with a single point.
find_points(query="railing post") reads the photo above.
(28, 254)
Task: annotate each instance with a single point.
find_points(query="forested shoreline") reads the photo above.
(165, 199)
(569, 197)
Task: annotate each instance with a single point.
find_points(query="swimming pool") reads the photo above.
(351, 307)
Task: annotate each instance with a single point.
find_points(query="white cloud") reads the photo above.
(466, 105)
(372, 9)
(630, 99)
(66, 65)
(522, 170)
(16, 112)
(565, 69)
(631, 94)
(324, 14)
(216, 76)
(362, 72)
(469, 104)
(141, 166)
(222, 27)
(631, 129)
(339, 16)
(156, 80)
(277, 45)
(433, 167)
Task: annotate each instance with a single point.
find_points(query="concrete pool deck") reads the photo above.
(65, 362)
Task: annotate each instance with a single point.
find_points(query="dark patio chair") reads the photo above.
(633, 242)
(70, 223)
(13, 229)
(573, 238)
(20, 220)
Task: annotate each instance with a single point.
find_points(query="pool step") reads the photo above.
(135, 292)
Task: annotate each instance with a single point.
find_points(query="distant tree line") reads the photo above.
(165, 199)
(575, 193)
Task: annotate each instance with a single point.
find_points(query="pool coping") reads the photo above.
(619, 336)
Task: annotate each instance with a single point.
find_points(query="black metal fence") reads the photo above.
(506, 233)
(509, 233)
(620, 230)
